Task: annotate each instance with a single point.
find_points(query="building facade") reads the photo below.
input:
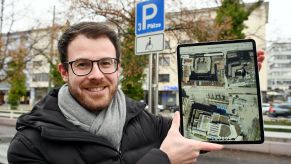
(279, 66)
(40, 54)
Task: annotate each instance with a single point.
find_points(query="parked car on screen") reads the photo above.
(282, 109)
(265, 108)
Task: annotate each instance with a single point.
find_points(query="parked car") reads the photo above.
(265, 108)
(160, 108)
(282, 109)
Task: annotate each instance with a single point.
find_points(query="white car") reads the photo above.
(160, 108)
(265, 108)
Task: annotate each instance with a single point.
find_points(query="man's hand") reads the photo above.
(181, 150)
(260, 58)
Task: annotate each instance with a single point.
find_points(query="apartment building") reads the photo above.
(10, 44)
(44, 55)
(279, 66)
(40, 52)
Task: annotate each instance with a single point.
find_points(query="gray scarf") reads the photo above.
(108, 123)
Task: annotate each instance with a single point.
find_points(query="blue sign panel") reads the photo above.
(149, 17)
(170, 88)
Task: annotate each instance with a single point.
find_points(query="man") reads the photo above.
(90, 120)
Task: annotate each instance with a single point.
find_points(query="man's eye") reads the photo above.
(106, 62)
(82, 64)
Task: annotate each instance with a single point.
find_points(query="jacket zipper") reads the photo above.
(120, 156)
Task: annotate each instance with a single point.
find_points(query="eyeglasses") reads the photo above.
(82, 67)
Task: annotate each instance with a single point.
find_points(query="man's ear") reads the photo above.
(63, 72)
(119, 71)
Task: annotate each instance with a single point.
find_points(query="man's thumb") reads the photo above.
(176, 121)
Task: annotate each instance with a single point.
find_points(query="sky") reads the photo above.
(279, 24)
(28, 11)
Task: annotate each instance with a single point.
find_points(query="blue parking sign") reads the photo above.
(149, 17)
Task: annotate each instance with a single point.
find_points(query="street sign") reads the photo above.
(149, 17)
(149, 43)
(149, 31)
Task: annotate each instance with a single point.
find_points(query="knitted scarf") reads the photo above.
(108, 123)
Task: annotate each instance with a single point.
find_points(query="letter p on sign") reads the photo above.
(146, 17)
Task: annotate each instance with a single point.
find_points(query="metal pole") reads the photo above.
(51, 50)
(156, 83)
(2, 15)
(150, 84)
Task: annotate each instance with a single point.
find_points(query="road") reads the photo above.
(7, 130)
(6, 133)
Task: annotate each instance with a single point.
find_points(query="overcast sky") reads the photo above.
(279, 19)
(29, 10)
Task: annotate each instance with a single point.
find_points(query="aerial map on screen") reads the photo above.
(219, 92)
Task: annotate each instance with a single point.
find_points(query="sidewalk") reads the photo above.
(269, 147)
(21, 107)
(7, 121)
(278, 136)
(6, 112)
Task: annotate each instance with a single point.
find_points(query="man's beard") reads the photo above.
(91, 103)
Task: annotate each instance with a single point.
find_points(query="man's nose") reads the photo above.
(96, 72)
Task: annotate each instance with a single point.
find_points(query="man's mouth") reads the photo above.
(95, 89)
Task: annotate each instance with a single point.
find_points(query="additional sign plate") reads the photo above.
(150, 43)
(149, 17)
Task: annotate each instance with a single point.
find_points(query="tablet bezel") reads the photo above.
(256, 71)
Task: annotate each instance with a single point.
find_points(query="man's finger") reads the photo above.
(176, 121)
(261, 53)
(208, 146)
(261, 58)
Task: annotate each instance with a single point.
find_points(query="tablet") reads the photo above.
(219, 92)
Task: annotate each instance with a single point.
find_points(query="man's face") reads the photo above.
(95, 90)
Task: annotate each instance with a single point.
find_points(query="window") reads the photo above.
(38, 77)
(164, 61)
(36, 63)
(281, 57)
(164, 77)
(167, 44)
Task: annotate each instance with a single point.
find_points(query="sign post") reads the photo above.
(149, 31)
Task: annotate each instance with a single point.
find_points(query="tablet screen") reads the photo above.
(219, 92)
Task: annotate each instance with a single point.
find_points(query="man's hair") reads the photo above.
(91, 30)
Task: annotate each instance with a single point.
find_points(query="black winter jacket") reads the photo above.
(45, 136)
